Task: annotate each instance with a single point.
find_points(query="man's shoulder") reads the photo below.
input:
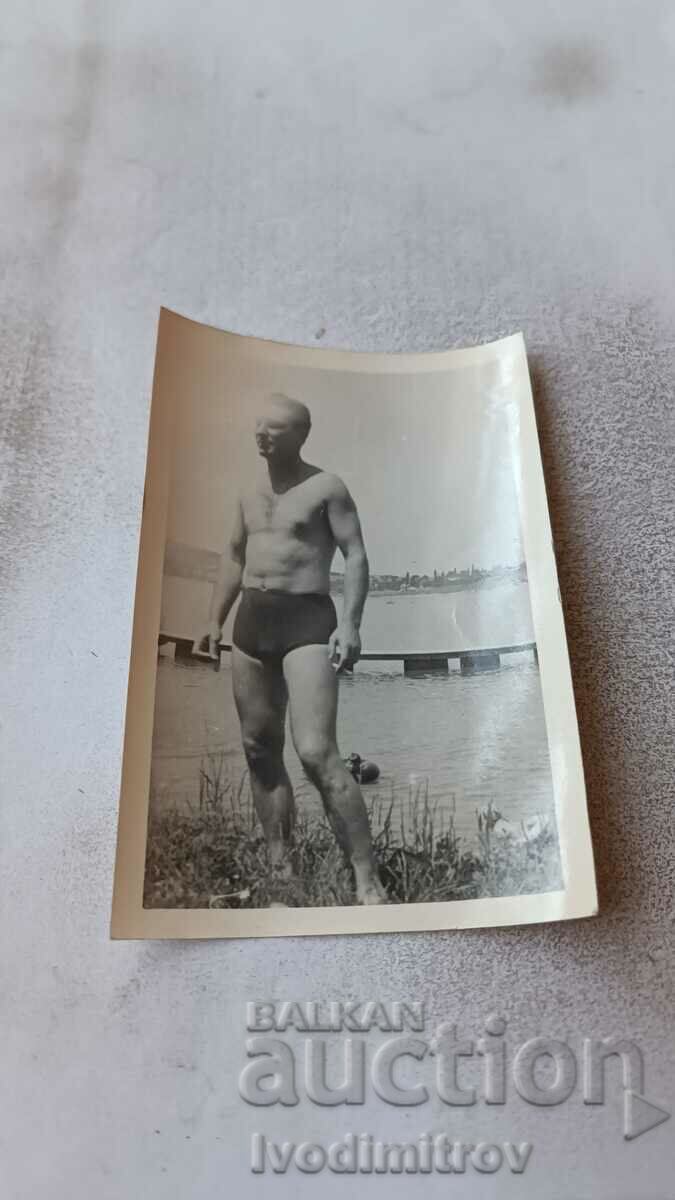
(332, 486)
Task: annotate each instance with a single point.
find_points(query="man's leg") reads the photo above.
(260, 696)
(313, 693)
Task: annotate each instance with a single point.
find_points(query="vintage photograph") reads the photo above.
(347, 706)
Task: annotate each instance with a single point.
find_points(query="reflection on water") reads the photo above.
(468, 739)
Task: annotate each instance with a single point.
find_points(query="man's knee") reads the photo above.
(262, 750)
(317, 755)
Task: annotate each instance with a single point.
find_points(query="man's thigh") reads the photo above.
(312, 693)
(260, 695)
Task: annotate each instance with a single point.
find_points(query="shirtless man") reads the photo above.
(288, 648)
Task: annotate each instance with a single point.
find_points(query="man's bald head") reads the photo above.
(297, 412)
(282, 426)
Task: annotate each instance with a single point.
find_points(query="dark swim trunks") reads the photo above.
(269, 624)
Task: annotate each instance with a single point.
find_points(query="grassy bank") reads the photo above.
(214, 856)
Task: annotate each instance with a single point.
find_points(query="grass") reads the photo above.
(214, 855)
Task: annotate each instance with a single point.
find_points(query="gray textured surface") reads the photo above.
(377, 176)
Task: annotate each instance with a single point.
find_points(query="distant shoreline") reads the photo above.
(465, 585)
(191, 562)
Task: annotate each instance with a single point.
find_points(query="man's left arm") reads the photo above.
(345, 643)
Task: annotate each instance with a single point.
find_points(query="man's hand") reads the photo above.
(208, 642)
(344, 647)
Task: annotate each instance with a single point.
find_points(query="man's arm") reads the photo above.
(345, 644)
(226, 588)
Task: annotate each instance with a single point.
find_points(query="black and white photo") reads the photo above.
(361, 714)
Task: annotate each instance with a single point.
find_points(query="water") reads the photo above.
(467, 740)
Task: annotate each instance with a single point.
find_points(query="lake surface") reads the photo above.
(466, 740)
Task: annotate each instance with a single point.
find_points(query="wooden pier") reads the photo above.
(436, 662)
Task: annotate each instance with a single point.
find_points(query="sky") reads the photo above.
(428, 457)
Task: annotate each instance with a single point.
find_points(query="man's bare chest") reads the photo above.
(300, 512)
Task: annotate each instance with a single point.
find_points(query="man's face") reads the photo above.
(277, 434)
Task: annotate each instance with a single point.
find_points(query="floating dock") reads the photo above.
(436, 662)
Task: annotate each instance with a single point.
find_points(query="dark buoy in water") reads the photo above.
(363, 771)
(369, 772)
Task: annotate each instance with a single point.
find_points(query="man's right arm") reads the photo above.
(226, 588)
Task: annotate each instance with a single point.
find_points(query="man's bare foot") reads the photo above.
(279, 861)
(283, 885)
(370, 891)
